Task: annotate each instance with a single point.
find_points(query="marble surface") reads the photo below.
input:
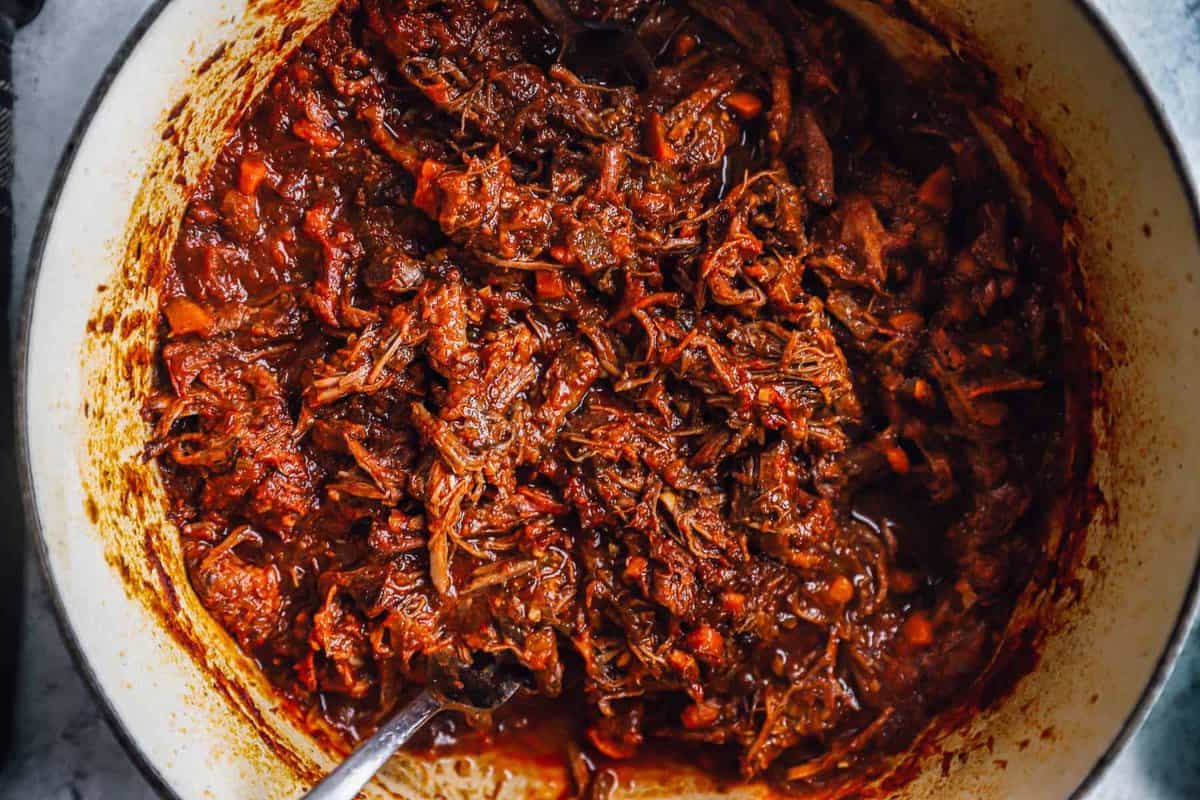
(65, 750)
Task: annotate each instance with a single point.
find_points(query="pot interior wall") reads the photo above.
(1139, 256)
(200, 712)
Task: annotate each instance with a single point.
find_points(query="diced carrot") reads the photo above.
(841, 591)
(706, 643)
(550, 284)
(699, 715)
(251, 173)
(937, 192)
(897, 459)
(185, 316)
(684, 44)
(315, 134)
(656, 138)
(918, 630)
(922, 391)
(733, 603)
(744, 104)
(635, 568)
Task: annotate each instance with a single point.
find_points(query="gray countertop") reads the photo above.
(65, 750)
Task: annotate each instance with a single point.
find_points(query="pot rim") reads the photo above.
(1189, 613)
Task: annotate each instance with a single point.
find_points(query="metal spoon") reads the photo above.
(465, 689)
(599, 50)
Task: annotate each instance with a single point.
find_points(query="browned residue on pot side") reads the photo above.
(1057, 582)
(125, 497)
(124, 493)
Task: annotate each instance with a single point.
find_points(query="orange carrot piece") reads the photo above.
(733, 603)
(684, 664)
(684, 44)
(185, 316)
(656, 138)
(550, 286)
(635, 566)
(251, 173)
(897, 459)
(706, 642)
(841, 591)
(744, 104)
(918, 630)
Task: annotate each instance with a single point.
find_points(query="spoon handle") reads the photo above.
(345, 782)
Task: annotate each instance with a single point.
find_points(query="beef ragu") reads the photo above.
(729, 406)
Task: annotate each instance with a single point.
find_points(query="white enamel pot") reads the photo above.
(195, 713)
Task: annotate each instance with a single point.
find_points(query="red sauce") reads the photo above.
(729, 408)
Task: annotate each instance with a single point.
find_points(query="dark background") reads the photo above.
(62, 747)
